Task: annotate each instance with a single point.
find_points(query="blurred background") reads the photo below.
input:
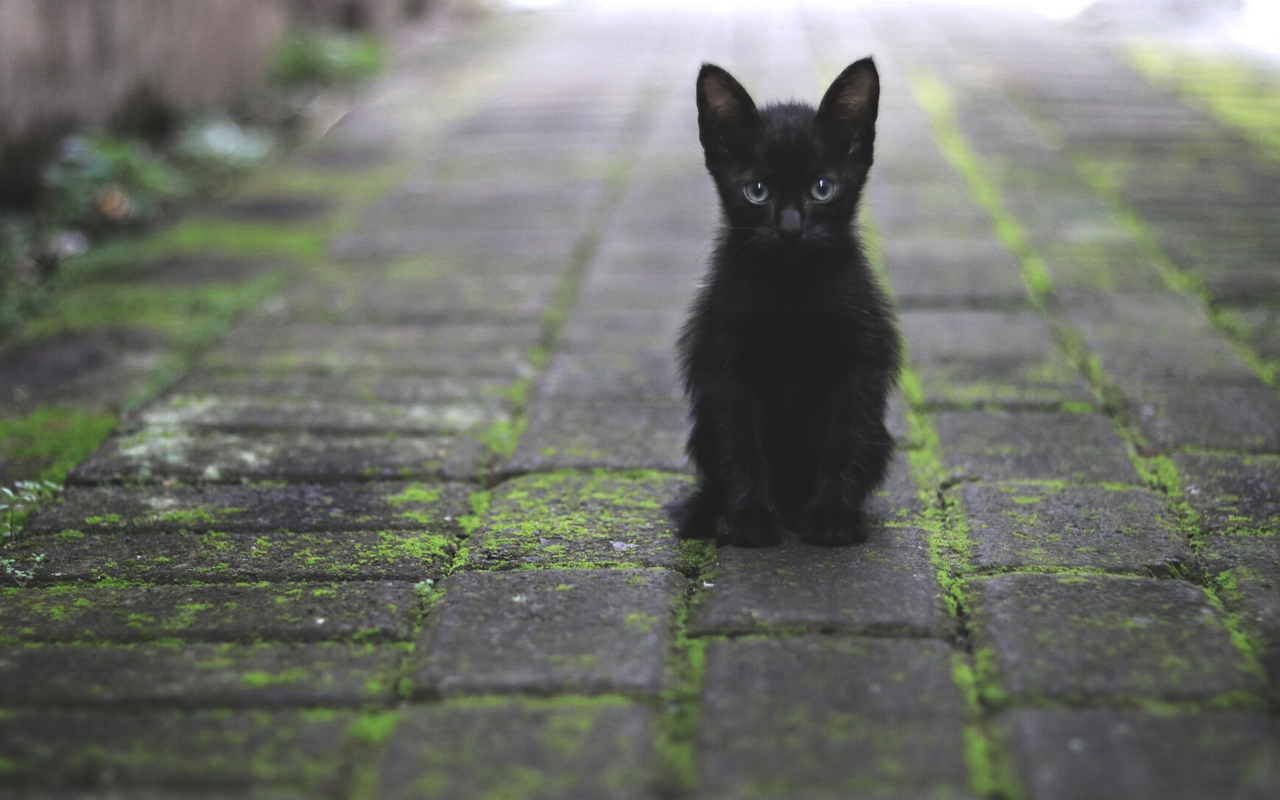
(119, 116)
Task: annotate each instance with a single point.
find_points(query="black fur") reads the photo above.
(790, 350)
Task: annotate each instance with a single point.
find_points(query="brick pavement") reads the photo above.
(400, 533)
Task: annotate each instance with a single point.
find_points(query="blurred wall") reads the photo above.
(78, 61)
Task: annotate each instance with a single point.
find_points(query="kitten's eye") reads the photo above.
(822, 189)
(756, 192)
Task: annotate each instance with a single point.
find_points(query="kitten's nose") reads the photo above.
(789, 223)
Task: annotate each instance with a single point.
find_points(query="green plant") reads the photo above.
(99, 181)
(310, 57)
(18, 503)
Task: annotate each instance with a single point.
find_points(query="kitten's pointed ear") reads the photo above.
(847, 114)
(727, 118)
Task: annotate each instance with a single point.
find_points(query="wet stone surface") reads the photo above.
(1246, 570)
(885, 587)
(159, 456)
(818, 714)
(218, 557)
(1024, 445)
(362, 612)
(1063, 754)
(198, 676)
(1021, 526)
(521, 748)
(565, 434)
(255, 509)
(570, 519)
(1232, 493)
(198, 751)
(1092, 638)
(550, 631)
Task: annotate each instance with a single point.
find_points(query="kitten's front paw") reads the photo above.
(749, 529)
(833, 526)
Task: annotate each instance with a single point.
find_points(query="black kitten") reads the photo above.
(790, 350)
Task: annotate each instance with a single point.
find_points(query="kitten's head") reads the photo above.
(788, 174)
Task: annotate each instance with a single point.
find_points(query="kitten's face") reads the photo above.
(789, 176)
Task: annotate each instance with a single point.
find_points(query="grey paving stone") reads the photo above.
(364, 387)
(387, 243)
(541, 750)
(571, 519)
(1221, 417)
(550, 632)
(218, 557)
(156, 456)
(391, 297)
(796, 715)
(616, 376)
(453, 349)
(978, 358)
(945, 207)
(197, 676)
(1028, 445)
(210, 413)
(364, 612)
(885, 587)
(176, 752)
(581, 435)
(1094, 638)
(1246, 570)
(1110, 755)
(255, 509)
(1022, 526)
(953, 273)
(190, 269)
(1232, 493)
(1155, 338)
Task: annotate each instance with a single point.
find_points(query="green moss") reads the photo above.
(934, 99)
(373, 728)
(259, 679)
(243, 238)
(53, 440)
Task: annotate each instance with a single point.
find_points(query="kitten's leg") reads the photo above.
(854, 458)
(727, 444)
(696, 515)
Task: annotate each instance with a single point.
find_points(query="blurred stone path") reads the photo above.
(400, 533)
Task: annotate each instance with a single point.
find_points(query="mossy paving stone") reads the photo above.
(433, 507)
(176, 751)
(1151, 338)
(363, 387)
(454, 348)
(1002, 358)
(1219, 417)
(575, 519)
(217, 557)
(610, 375)
(569, 749)
(428, 299)
(1119, 755)
(309, 612)
(1029, 445)
(1246, 570)
(197, 676)
(1095, 638)
(556, 201)
(948, 272)
(1113, 529)
(581, 435)
(550, 631)
(886, 587)
(223, 414)
(533, 244)
(787, 716)
(1232, 493)
(158, 456)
